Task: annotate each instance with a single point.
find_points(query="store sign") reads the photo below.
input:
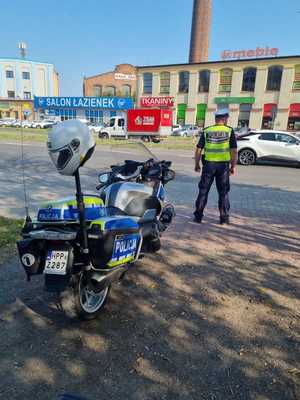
(125, 77)
(157, 101)
(4, 104)
(258, 52)
(113, 103)
(234, 100)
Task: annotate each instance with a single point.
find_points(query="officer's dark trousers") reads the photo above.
(220, 172)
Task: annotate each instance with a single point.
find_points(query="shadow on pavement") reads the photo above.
(213, 316)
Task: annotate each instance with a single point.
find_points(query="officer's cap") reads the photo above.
(222, 112)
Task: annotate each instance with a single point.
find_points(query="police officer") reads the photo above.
(218, 143)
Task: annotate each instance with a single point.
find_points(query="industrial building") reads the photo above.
(260, 92)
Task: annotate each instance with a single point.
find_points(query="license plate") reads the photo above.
(125, 247)
(56, 262)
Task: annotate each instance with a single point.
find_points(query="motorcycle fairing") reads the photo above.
(66, 209)
(114, 241)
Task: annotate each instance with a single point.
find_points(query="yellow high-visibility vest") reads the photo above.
(217, 143)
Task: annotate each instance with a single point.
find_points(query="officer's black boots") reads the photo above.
(197, 217)
(224, 220)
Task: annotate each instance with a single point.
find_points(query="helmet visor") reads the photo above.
(61, 157)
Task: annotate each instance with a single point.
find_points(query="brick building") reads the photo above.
(121, 83)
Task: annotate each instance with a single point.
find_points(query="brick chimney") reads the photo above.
(199, 44)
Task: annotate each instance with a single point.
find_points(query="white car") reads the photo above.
(45, 123)
(95, 129)
(268, 145)
(187, 131)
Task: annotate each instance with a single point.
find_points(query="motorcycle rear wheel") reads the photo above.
(79, 300)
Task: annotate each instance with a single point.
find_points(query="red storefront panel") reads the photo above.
(294, 110)
(268, 109)
(166, 117)
(143, 120)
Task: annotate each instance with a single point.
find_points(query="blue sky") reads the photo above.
(92, 36)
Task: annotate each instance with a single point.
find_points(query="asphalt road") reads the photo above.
(44, 183)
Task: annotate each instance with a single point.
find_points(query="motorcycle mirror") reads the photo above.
(103, 178)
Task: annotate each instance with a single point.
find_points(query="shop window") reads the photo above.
(165, 82)
(225, 80)
(184, 78)
(66, 114)
(269, 115)
(296, 84)
(147, 79)
(126, 90)
(294, 117)
(204, 78)
(249, 78)
(274, 77)
(27, 95)
(7, 114)
(11, 94)
(94, 116)
(244, 115)
(181, 109)
(97, 91)
(200, 116)
(110, 91)
(25, 75)
(9, 73)
(16, 114)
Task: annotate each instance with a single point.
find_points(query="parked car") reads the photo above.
(95, 128)
(268, 145)
(17, 123)
(45, 123)
(176, 128)
(27, 124)
(8, 121)
(241, 131)
(187, 131)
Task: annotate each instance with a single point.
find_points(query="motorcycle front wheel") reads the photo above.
(79, 300)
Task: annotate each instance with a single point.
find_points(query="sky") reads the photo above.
(87, 37)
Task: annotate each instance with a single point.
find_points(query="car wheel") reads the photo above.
(247, 157)
(38, 127)
(104, 135)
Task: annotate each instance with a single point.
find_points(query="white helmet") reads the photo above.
(70, 145)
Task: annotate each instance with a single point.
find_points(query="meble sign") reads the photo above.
(258, 52)
(115, 103)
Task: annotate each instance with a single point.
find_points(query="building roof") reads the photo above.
(23, 60)
(221, 61)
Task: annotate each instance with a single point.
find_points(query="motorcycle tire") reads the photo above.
(78, 301)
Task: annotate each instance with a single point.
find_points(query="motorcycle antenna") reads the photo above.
(28, 221)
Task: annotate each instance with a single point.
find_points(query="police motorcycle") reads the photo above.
(83, 244)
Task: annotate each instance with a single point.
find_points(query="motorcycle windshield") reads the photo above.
(106, 156)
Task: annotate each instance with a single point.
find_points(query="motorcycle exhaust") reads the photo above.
(100, 281)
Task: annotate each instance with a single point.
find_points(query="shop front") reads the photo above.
(269, 115)
(93, 109)
(294, 117)
(242, 110)
(16, 108)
